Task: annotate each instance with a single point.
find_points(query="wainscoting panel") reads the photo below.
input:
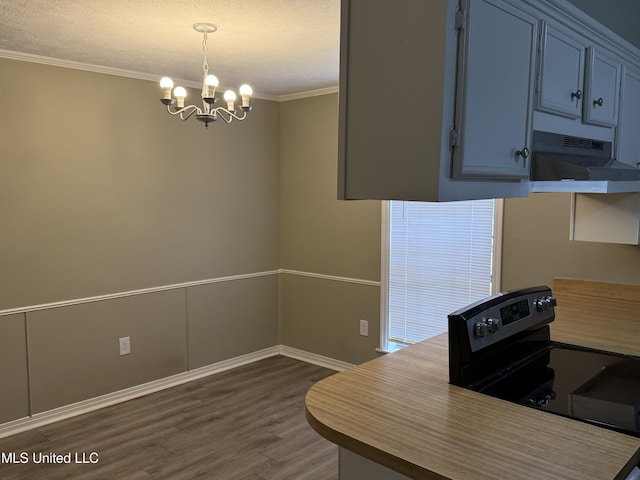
(74, 351)
(14, 400)
(321, 314)
(231, 319)
(61, 359)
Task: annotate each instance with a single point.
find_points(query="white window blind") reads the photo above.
(440, 260)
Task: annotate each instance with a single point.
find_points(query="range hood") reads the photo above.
(563, 163)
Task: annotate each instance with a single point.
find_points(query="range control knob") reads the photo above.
(493, 325)
(481, 329)
(486, 327)
(545, 303)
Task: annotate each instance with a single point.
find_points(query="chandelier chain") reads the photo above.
(205, 64)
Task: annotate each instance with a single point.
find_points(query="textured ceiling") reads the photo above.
(280, 47)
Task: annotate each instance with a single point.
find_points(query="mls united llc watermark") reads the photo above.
(51, 457)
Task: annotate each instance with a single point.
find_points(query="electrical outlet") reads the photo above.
(125, 345)
(364, 328)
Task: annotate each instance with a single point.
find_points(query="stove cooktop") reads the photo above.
(597, 387)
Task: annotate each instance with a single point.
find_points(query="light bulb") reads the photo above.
(179, 93)
(166, 84)
(211, 80)
(245, 92)
(209, 87)
(230, 97)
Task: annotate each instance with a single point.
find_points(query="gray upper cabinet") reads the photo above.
(496, 64)
(401, 120)
(439, 99)
(561, 73)
(628, 139)
(602, 88)
(576, 80)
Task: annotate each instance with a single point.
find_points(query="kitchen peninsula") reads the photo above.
(397, 417)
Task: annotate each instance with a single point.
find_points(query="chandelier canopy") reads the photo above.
(208, 113)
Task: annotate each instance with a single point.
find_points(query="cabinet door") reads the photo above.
(494, 100)
(628, 139)
(561, 73)
(602, 89)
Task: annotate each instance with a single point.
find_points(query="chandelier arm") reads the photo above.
(193, 110)
(189, 110)
(227, 115)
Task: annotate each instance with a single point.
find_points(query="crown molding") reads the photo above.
(119, 72)
(310, 93)
(56, 62)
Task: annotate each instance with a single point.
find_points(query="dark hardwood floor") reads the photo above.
(243, 424)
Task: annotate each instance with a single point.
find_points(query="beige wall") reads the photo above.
(103, 192)
(128, 198)
(318, 233)
(536, 247)
(322, 235)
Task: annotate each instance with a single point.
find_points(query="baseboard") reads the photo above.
(314, 358)
(89, 405)
(86, 406)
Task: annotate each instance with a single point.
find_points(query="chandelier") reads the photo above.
(209, 112)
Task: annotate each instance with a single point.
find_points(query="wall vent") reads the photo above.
(577, 142)
(583, 143)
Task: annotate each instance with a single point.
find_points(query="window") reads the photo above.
(437, 258)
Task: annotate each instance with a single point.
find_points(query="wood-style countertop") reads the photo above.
(599, 315)
(400, 411)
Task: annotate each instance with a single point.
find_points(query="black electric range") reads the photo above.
(501, 346)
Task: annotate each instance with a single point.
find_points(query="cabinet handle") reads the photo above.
(599, 102)
(524, 153)
(577, 95)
